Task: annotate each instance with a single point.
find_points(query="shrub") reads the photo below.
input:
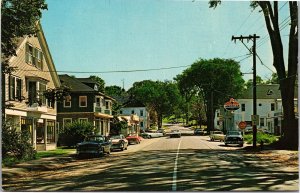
(74, 133)
(16, 145)
(266, 138)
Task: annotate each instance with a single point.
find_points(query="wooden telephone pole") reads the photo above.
(253, 38)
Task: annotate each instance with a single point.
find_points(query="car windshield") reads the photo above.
(95, 139)
(115, 137)
(233, 133)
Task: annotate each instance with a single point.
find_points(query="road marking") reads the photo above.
(174, 185)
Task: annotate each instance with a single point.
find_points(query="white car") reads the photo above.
(154, 134)
(175, 133)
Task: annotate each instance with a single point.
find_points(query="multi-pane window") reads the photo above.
(67, 101)
(42, 89)
(15, 88)
(142, 124)
(262, 122)
(243, 107)
(132, 111)
(98, 101)
(141, 113)
(107, 105)
(34, 56)
(82, 120)
(82, 101)
(50, 132)
(272, 106)
(66, 121)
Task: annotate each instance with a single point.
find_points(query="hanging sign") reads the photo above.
(231, 105)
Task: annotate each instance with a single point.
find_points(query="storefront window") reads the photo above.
(50, 132)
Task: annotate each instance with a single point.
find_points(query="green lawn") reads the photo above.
(12, 160)
(57, 152)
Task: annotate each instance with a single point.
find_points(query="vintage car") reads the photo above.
(199, 131)
(93, 145)
(133, 139)
(154, 134)
(217, 135)
(234, 137)
(118, 142)
(175, 133)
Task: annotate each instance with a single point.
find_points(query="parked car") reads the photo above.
(199, 132)
(118, 142)
(217, 135)
(175, 133)
(161, 131)
(94, 145)
(133, 139)
(248, 129)
(154, 134)
(234, 137)
(145, 135)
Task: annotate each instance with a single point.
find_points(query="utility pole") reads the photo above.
(253, 38)
(123, 83)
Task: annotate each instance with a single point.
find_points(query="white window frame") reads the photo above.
(83, 120)
(70, 101)
(82, 97)
(64, 119)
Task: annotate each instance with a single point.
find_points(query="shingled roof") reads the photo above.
(75, 84)
(265, 91)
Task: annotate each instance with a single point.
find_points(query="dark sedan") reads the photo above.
(93, 145)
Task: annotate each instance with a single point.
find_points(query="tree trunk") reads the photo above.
(159, 120)
(287, 82)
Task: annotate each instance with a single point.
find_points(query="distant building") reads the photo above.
(139, 109)
(269, 109)
(85, 103)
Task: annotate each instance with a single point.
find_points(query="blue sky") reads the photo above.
(89, 37)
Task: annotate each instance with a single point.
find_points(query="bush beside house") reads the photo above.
(16, 145)
(74, 133)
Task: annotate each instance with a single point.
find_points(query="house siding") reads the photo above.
(20, 112)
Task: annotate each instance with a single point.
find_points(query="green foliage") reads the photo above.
(74, 133)
(57, 94)
(119, 94)
(266, 138)
(52, 153)
(100, 81)
(162, 97)
(18, 18)
(16, 145)
(249, 83)
(117, 126)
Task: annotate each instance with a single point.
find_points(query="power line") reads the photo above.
(112, 71)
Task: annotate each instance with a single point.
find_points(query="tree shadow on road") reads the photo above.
(197, 170)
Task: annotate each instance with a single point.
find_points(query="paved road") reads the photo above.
(189, 163)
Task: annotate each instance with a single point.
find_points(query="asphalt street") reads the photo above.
(189, 163)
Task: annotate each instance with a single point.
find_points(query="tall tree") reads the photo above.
(100, 81)
(18, 18)
(217, 80)
(249, 83)
(162, 97)
(287, 80)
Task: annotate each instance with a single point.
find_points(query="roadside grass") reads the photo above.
(60, 151)
(10, 161)
(266, 138)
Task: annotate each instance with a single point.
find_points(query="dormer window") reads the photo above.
(270, 92)
(34, 56)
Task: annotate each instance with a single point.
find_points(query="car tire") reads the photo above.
(226, 144)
